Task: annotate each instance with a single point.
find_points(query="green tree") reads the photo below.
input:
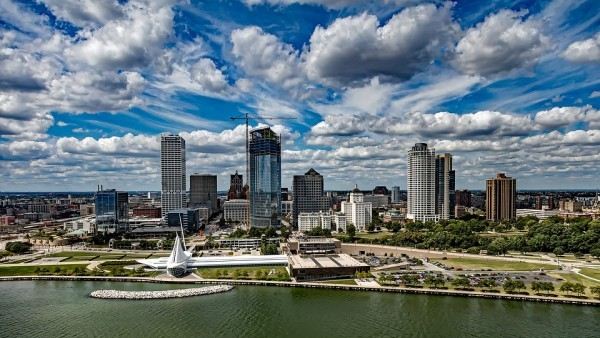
(579, 288)
(595, 252)
(566, 287)
(461, 282)
(351, 231)
(509, 285)
(547, 287)
(558, 251)
(595, 290)
(18, 247)
(410, 279)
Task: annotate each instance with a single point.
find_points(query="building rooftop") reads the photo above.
(323, 261)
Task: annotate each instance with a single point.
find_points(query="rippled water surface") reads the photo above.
(63, 309)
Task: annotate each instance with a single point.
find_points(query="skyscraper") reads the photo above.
(395, 194)
(308, 194)
(112, 211)
(265, 178)
(444, 186)
(357, 211)
(421, 183)
(463, 197)
(172, 171)
(236, 185)
(203, 192)
(500, 198)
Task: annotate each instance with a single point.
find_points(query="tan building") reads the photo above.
(500, 198)
(570, 205)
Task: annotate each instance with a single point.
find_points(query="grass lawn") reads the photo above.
(339, 281)
(31, 270)
(482, 263)
(137, 256)
(79, 258)
(110, 257)
(275, 273)
(373, 235)
(594, 273)
(574, 278)
(75, 254)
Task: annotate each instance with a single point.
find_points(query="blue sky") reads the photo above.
(87, 86)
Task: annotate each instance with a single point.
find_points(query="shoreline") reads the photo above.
(418, 291)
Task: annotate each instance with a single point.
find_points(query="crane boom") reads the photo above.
(246, 117)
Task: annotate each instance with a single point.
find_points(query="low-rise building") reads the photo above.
(147, 211)
(570, 205)
(236, 211)
(245, 243)
(340, 220)
(322, 267)
(188, 217)
(85, 225)
(87, 209)
(7, 220)
(540, 214)
(393, 216)
(377, 201)
(313, 245)
(310, 220)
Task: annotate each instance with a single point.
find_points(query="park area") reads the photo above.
(478, 264)
(269, 273)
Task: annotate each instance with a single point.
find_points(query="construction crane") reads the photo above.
(246, 117)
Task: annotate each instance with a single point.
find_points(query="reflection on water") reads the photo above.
(63, 309)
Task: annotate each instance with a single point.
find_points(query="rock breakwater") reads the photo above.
(179, 293)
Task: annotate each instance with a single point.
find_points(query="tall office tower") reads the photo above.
(112, 211)
(463, 197)
(421, 184)
(357, 211)
(203, 192)
(396, 194)
(308, 194)
(444, 186)
(551, 202)
(236, 185)
(500, 198)
(285, 194)
(172, 172)
(265, 178)
(538, 202)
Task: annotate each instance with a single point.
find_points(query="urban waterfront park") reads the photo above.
(64, 308)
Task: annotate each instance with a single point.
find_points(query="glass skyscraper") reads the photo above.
(112, 211)
(265, 178)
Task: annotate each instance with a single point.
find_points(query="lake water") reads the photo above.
(63, 309)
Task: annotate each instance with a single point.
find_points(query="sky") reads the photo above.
(87, 87)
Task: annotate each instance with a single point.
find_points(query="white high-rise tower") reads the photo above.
(172, 171)
(421, 183)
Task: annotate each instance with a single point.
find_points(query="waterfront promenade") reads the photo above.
(408, 290)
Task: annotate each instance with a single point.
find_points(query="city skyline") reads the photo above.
(82, 103)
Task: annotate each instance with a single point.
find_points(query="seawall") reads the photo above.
(421, 291)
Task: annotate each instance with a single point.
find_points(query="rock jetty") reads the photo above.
(179, 293)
